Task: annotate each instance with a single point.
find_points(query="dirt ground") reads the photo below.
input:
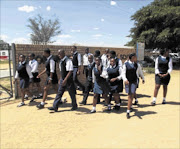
(149, 127)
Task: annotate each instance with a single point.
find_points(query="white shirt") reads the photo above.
(120, 63)
(79, 58)
(124, 70)
(85, 59)
(52, 64)
(104, 60)
(28, 69)
(120, 72)
(34, 65)
(139, 71)
(170, 65)
(69, 64)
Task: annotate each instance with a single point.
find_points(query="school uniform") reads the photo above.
(115, 72)
(101, 85)
(89, 82)
(139, 74)
(65, 66)
(86, 63)
(163, 65)
(50, 65)
(76, 60)
(34, 70)
(24, 73)
(130, 73)
(104, 60)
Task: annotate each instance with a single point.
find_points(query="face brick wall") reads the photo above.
(38, 50)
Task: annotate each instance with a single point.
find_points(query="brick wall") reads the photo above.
(38, 50)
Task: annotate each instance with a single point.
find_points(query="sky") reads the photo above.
(84, 22)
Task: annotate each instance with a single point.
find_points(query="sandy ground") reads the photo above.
(149, 127)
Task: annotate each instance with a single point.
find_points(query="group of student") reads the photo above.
(105, 75)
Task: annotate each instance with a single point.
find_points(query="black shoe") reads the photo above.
(40, 106)
(82, 103)
(93, 111)
(116, 107)
(164, 102)
(39, 96)
(74, 108)
(128, 116)
(131, 109)
(51, 108)
(135, 103)
(153, 103)
(60, 102)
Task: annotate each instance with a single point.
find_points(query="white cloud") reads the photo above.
(27, 8)
(113, 3)
(95, 28)
(40, 7)
(97, 35)
(48, 8)
(75, 30)
(64, 36)
(102, 20)
(3, 37)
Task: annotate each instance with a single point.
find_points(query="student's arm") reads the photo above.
(41, 73)
(79, 63)
(16, 77)
(69, 68)
(120, 63)
(141, 73)
(170, 68)
(35, 67)
(156, 68)
(28, 69)
(124, 74)
(52, 69)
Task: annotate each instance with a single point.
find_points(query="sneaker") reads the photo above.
(74, 108)
(51, 108)
(164, 102)
(153, 103)
(21, 104)
(135, 103)
(131, 109)
(40, 106)
(93, 111)
(128, 116)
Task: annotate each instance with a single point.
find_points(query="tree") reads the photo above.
(158, 25)
(43, 30)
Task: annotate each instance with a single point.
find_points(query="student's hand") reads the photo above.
(127, 82)
(38, 76)
(160, 75)
(78, 72)
(113, 79)
(143, 81)
(64, 83)
(164, 75)
(49, 82)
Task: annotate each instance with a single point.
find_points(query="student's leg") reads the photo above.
(107, 100)
(86, 92)
(75, 79)
(39, 88)
(94, 103)
(72, 93)
(164, 94)
(135, 97)
(22, 97)
(157, 86)
(130, 98)
(117, 101)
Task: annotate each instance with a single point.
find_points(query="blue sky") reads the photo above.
(90, 22)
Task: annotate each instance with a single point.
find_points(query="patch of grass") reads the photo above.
(149, 70)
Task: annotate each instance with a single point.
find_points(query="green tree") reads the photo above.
(157, 24)
(43, 30)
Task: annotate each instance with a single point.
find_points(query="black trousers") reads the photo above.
(85, 71)
(75, 79)
(88, 87)
(72, 92)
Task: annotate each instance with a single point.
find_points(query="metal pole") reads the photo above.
(14, 67)
(10, 70)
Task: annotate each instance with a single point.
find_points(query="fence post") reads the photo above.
(14, 68)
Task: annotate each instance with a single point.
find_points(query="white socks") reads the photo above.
(154, 99)
(94, 108)
(25, 96)
(42, 103)
(128, 111)
(136, 99)
(164, 98)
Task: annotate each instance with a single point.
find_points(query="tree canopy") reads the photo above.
(43, 30)
(157, 24)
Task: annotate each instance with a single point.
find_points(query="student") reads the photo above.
(85, 61)
(104, 58)
(114, 76)
(23, 72)
(89, 80)
(163, 68)
(50, 70)
(100, 84)
(34, 70)
(139, 75)
(76, 59)
(129, 75)
(66, 82)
